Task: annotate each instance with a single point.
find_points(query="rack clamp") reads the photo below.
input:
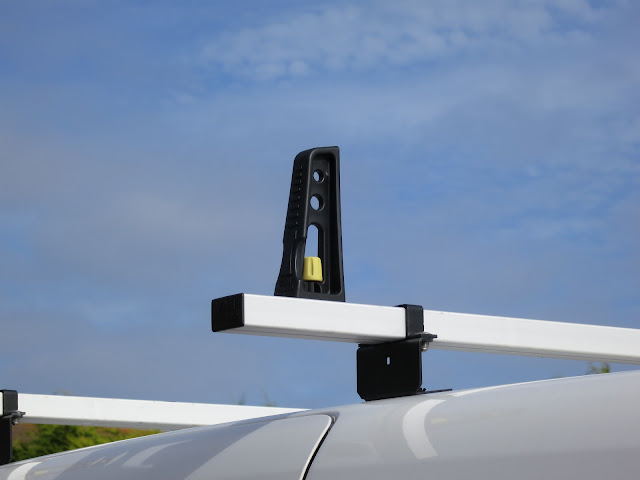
(389, 369)
(10, 416)
(385, 370)
(394, 369)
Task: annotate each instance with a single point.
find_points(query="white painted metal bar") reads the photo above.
(320, 320)
(142, 414)
(348, 322)
(517, 336)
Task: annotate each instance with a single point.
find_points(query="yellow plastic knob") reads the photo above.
(312, 269)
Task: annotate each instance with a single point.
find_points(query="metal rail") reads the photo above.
(370, 324)
(143, 414)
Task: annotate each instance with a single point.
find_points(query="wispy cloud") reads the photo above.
(355, 37)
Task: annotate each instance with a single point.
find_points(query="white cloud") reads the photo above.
(359, 38)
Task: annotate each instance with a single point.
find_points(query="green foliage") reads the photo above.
(268, 402)
(603, 368)
(41, 440)
(242, 400)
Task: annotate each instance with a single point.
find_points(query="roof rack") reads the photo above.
(391, 339)
(309, 303)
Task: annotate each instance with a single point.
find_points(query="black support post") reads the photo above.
(10, 414)
(314, 200)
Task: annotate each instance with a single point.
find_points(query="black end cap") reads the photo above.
(227, 312)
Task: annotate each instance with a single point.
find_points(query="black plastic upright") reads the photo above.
(314, 199)
(9, 412)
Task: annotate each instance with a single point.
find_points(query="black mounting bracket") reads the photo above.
(314, 199)
(394, 369)
(10, 417)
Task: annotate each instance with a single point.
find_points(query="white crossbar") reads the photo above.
(142, 414)
(349, 322)
(517, 336)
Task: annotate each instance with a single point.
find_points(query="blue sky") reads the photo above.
(490, 164)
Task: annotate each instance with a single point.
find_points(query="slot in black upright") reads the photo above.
(314, 199)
